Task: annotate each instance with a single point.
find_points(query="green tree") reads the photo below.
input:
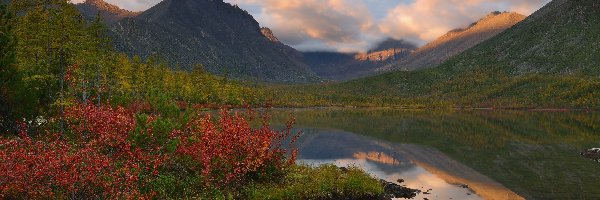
(8, 72)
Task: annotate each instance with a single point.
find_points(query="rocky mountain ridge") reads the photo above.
(222, 37)
(457, 41)
(109, 13)
(345, 66)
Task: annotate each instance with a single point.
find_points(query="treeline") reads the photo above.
(444, 87)
(52, 57)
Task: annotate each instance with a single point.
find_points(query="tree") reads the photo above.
(8, 71)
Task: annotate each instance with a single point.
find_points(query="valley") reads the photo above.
(302, 99)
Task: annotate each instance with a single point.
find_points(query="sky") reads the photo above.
(357, 25)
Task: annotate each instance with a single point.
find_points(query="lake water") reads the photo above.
(458, 154)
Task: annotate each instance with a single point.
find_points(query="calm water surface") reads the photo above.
(498, 154)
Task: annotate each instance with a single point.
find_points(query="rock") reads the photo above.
(398, 191)
(344, 169)
(592, 154)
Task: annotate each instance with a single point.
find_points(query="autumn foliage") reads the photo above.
(228, 150)
(100, 155)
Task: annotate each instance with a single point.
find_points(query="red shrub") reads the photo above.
(229, 149)
(97, 158)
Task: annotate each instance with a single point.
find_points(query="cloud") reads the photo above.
(425, 20)
(318, 24)
(356, 25)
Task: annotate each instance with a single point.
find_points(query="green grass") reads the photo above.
(323, 182)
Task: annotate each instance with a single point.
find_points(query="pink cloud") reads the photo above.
(425, 20)
(355, 25)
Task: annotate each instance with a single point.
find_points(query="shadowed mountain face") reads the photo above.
(110, 14)
(344, 66)
(457, 41)
(224, 38)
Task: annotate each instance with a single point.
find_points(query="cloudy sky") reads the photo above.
(356, 25)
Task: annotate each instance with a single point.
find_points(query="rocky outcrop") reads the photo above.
(592, 154)
(109, 13)
(269, 34)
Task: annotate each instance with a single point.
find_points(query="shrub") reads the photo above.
(229, 149)
(114, 153)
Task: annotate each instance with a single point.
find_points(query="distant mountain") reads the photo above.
(345, 66)
(393, 44)
(109, 13)
(457, 41)
(549, 60)
(222, 37)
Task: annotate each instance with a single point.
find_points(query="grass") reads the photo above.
(323, 182)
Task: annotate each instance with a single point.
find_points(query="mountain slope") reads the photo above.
(549, 60)
(344, 66)
(457, 41)
(224, 38)
(562, 38)
(110, 14)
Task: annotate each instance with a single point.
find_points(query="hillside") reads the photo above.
(345, 66)
(563, 38)
(109, 13)
(551, 59)
(457, 41)
(222, 37)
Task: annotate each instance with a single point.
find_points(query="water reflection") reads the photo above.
(392, 162)
(535, 154)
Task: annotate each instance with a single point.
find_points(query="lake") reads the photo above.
(474, 154)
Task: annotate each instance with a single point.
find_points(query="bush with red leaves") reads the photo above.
(97, 157)
(229, 149)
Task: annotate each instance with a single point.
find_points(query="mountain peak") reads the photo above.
(102, 5)
(224, 38)
(109, 13)
(458, 40)
(391, 43)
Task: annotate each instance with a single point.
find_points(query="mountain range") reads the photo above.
(223, 38)
(394, 55)
(550, 59)
(345, 66)
(228, 41)
(457, 41)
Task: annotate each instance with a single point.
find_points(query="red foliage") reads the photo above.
(100, 162)
(230, 149)
(96, 157)
(137, 106)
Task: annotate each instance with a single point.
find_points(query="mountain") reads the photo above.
(109, 13)
(345, 66)
(222, 37)
(549, 60)
(457, 41)
(562, 38)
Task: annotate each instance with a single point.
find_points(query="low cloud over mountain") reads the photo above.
(356, 25)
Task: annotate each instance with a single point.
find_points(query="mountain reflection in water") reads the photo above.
(437, 180)
(536, 154)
